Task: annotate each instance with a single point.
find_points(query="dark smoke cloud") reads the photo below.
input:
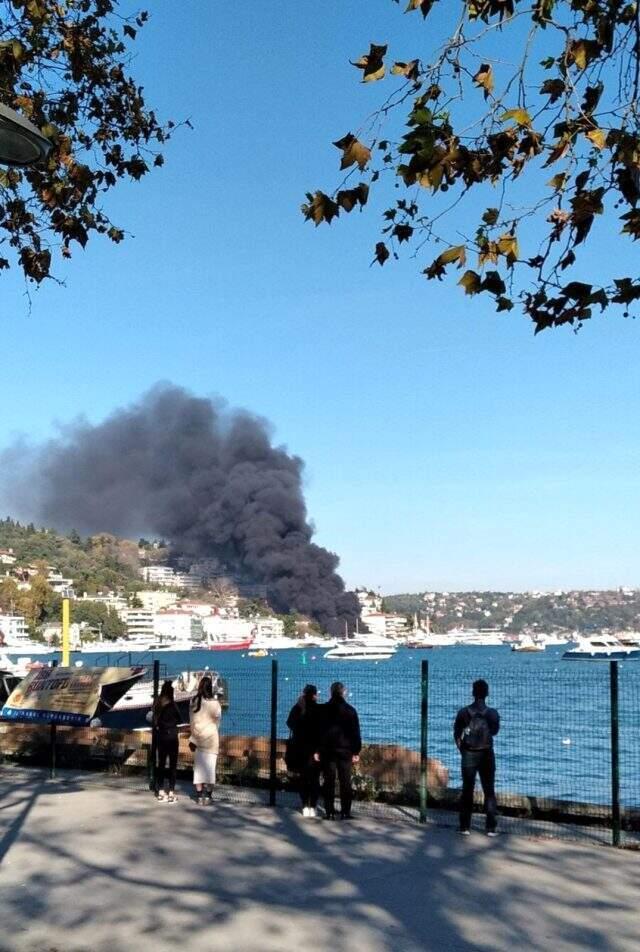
(206, 479)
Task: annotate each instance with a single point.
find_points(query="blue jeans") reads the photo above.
(476, 762)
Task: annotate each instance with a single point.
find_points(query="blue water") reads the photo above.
(555, 734)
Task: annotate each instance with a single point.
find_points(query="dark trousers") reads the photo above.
(310, 783)
(167, 750)
(476, 762)
(342, 764)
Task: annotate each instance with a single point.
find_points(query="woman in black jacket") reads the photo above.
(166, 718)
(303, 722)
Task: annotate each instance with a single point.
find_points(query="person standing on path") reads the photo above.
(166, 718)
(303, 722)
(205, 714)
(473, 731)
(339, 749)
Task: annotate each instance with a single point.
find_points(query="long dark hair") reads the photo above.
(205, 692)
(165, 697)
(308, 697)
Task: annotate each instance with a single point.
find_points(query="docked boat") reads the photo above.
(363, 648)
(601, 648)
(132, 708)
(527, 644)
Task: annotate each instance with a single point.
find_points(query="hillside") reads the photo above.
(99, 563)
(514, 611)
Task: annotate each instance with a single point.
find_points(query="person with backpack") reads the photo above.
(473, 731)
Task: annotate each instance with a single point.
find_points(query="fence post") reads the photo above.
(52, 740)
(154, 733)
(424, 719)
(273, 742)
(615, 755)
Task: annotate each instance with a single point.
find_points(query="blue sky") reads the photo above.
(446, 447)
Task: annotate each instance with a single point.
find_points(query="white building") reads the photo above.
(13, 629)
(177, 626)
(166, 576)
(140, 623)
(62, 586)
(268, 626)
(7, 557)
(202, 609)
(110, 600)
(159, 575)
(369, 602)
(157, 601)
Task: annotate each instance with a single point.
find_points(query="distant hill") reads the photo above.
(99, 563)
(513, 611)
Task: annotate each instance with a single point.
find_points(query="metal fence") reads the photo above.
(567, 754)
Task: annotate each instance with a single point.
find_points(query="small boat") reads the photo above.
(601, 648)
(258, 653)
(132, 708)
(362, 649)
(527, 643)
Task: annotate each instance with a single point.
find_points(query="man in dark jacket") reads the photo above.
(473, 731)
(340, 747)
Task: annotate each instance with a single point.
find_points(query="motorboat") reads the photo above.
(273, 643)
(363, 648)
(258, 653)
(601, 648)
(131, 710)
(528, 644)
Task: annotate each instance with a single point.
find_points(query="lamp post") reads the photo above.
(21, 143)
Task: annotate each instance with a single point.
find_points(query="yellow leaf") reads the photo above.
(558, 181)
(484, 79)
(508, 246)
(520, 116)
(371, 63)
(598, 137)
(353, 152)
(457, 253)
(470, 281)
(410, 69)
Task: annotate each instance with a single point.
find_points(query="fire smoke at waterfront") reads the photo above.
(205, 478)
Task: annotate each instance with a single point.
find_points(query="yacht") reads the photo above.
(362, 648)
(601, 648)
(630, 639)
(474, 638)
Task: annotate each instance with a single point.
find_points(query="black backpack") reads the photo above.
(477, 735)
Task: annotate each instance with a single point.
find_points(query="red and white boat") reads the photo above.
(226, 634)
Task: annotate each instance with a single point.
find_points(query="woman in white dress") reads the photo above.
(204, 717)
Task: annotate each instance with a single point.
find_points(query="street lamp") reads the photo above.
(21, 143)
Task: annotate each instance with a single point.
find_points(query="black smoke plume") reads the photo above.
(208, 480)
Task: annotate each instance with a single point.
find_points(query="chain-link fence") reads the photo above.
(567, 757)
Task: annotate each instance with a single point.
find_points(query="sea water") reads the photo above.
(555, 736)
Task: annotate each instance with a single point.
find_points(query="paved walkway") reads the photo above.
(98, 869)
